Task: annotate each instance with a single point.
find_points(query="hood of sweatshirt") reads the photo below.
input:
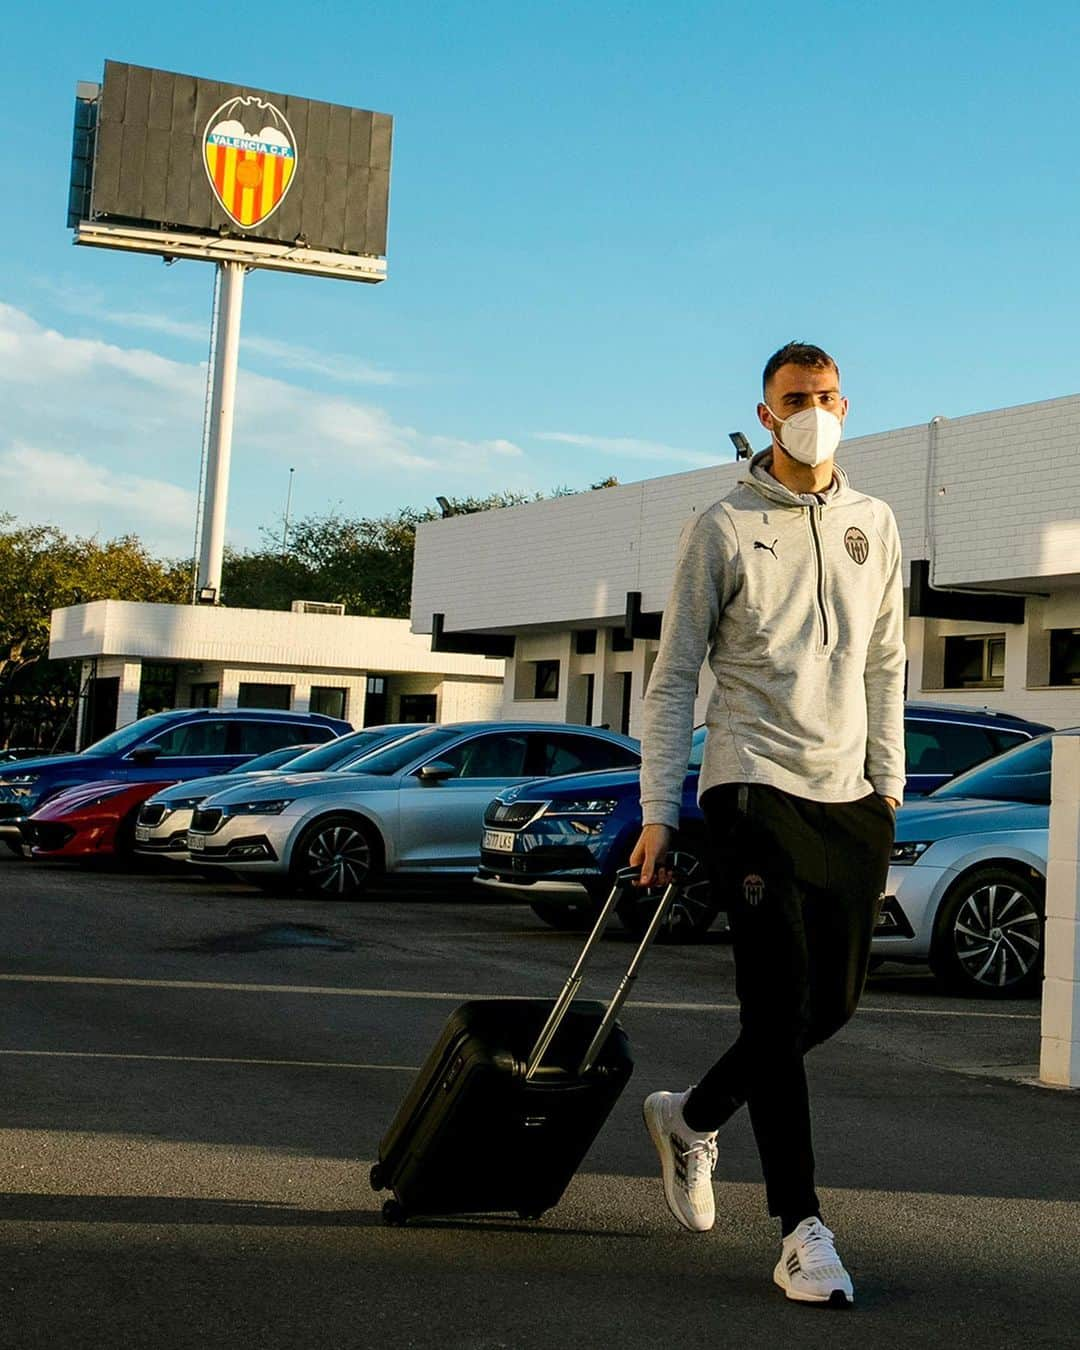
(761, 480)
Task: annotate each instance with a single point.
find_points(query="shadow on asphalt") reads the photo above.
(33, 1207)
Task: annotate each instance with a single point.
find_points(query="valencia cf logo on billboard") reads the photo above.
(250, 155)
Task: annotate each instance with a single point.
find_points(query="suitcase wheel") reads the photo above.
(393, 1213)
(377, 1177)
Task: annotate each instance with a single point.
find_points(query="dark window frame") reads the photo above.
(546, 679)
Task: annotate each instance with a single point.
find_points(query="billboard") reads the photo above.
(187, 167)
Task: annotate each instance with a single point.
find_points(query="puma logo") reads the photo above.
(769, 548)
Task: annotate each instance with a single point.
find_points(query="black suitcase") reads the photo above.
(512, 1096)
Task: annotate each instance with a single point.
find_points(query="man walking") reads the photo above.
(791, 585)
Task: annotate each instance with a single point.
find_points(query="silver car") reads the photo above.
(162, 823)
(415, 806)
(966, 888)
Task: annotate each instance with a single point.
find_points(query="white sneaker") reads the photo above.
(687, 1159)
(809, 1270)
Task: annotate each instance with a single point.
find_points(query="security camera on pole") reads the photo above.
(182, 167)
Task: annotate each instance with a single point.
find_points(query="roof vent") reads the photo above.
(316, 607)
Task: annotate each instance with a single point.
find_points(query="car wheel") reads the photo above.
(566, 918)
(336, 859)
(988, 936)
(692, 911)
(16, 847)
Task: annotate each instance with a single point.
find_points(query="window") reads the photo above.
(945, 747)
(203, 695)
(201, 739)
(416, 708)
(585, 641)
(975, 663)
(1005, 740)
(627, 694)
(157, 688)
(500, 755)
(265, 696)
(564, 752)
(546, 682)
(329, 702)
(621, 641)
(256, 738)
(1021, 775)
(1065, 656)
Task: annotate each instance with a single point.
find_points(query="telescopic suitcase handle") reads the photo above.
(624, 878)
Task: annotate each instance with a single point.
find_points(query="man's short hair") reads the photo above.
(797, 354)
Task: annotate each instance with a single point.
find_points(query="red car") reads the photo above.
(92, 820)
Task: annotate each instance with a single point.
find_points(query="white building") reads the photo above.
(139, 658)
(571, 590)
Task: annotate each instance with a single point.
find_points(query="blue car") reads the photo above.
(184, 743)
(558, 843)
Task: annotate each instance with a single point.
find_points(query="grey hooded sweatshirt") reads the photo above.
(797, 599)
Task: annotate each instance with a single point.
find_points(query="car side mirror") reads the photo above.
(436, 772)
(145, 754)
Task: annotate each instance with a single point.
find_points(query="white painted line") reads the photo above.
(211, 1059)
(423, 995)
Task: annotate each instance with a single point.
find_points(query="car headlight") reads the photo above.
(581, 806)
(903, 855)
(273, 808)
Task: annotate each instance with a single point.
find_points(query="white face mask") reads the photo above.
(810, 436)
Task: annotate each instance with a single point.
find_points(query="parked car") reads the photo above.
(165, 747)
(414, 806)
(967, 883)
(163, 820)
(93, 820)
(559, 844)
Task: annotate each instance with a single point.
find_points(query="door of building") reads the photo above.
(375, 701)
(102, 701)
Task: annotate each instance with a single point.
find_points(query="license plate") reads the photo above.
(142, 833)
(499, 841)
(195, 842)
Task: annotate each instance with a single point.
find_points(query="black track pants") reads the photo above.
(803, 883)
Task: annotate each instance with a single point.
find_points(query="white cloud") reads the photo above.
(125, 428)
(86, 498)
(630, 447)
(92, 304)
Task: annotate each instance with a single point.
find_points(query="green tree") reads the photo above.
(42, 569)
(364, 563)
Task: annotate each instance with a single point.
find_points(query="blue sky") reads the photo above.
(604, 217)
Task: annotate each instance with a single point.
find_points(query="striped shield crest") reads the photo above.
(250, 155)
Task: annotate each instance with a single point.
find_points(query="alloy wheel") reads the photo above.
(692, 911)
(338, 859)
(997, 935)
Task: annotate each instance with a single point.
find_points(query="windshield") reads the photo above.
(273, 759)
(333, 753)
(118, 741)
(403, 752)
(1020, 775)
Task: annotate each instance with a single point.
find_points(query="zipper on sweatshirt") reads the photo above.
(819, 555)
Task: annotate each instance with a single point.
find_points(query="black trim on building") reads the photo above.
(928, 602)
(641, 623)
(498, 645)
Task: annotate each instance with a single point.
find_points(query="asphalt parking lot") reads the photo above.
(196, 1078)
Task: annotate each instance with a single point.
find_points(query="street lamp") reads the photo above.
(743, 448)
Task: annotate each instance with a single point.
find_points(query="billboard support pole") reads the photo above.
(219, 451)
